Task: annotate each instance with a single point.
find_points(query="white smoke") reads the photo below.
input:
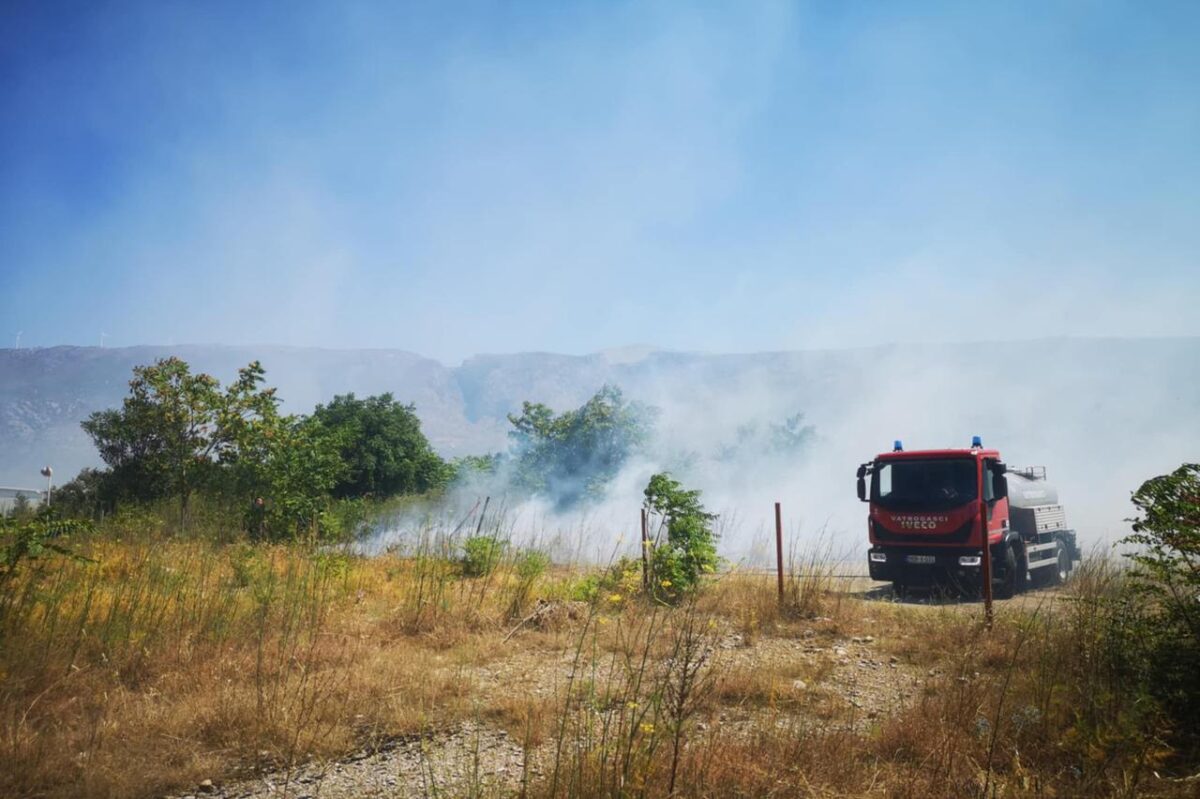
(1100, 416)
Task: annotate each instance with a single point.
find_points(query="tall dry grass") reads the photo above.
(1040, 705)
(161, 661)
(154, 661)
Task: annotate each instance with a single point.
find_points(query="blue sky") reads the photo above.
(494, 177)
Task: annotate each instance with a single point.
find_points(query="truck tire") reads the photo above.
(1062, 569)
(1009, 575)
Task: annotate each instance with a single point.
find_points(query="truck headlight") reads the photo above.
(878, 557)
(969, 560)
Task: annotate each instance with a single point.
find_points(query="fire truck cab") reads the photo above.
(926, 523)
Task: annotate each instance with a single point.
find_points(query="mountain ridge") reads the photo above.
(1143, 382)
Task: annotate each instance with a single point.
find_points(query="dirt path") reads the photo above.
(470, 759)
(821, 678)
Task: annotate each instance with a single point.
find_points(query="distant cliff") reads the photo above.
(1107, 401)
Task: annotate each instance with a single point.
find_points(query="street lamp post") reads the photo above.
(48, 473)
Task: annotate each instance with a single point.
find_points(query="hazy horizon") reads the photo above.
(1101, 414)
(619, 350)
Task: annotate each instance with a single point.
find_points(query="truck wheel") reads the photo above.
(1062, 569)
(1009, 574)
(1024, 573)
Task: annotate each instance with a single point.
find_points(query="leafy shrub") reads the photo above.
(333, 566)
(347, 519)
(251, 568)
(620, 580)
(532, 564)
(1166, 581)
(690, 548)
(23, 540)
(585, 589)
(481, 555)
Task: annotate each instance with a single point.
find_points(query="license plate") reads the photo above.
(922, 559)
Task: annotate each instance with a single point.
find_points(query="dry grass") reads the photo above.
(162, 662)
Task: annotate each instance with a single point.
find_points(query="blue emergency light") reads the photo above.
(976, 442)
(897, 446)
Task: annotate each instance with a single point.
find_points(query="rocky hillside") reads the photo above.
(1110, 404)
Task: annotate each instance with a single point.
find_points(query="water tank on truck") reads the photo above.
(1036, 514)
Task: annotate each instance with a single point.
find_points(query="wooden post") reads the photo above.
(645, 554)
(987, 549)
(479, 527)
(779, 549)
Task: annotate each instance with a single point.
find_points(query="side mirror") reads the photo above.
(862, 483)
(998, 488)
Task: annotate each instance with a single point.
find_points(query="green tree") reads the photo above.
(689, 549)
(86, 495)
(163, 439)
(1167, 531)
(290, 476)
(21, 510)
(178, 432)
(573, 456)
(1166, 577)
(383, 447)
(468, 465)
(281, 468)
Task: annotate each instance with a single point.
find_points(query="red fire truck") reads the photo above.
(928, 510)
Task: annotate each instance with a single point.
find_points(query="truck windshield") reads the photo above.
(924, 484)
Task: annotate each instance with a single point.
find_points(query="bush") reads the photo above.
(619, 580)
(481, 555)
(23, 540)
(532, 564)
(1166, 582)
(690, 548)
(88, 495)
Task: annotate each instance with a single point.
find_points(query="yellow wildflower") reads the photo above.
(646, 727)
(614, 598)
(665, 583)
